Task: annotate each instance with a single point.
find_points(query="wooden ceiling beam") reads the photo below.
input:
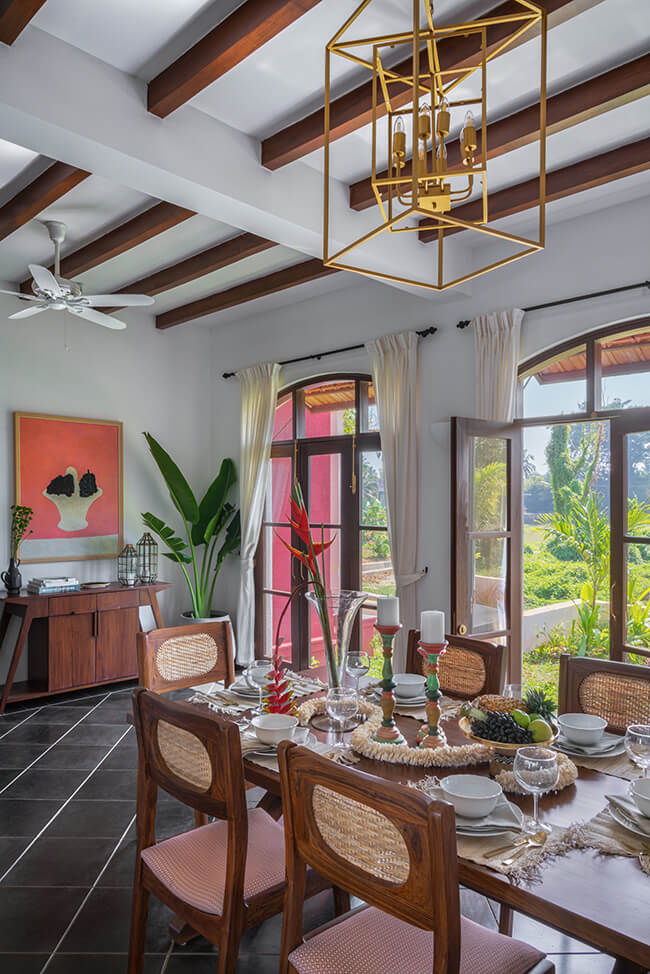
(309, 270)
(14, 17)
(583, 175)
(592, 98)
(142, 227)
(46, 189)
(354, 110)
(230, 42)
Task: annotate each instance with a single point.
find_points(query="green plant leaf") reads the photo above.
(213, 504)
(232, 541)
(179, 489)
(167, 536)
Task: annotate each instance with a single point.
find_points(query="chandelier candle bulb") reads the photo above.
(432, 627)
(387, 610)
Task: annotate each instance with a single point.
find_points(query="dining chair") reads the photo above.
(219, 879)
(617, 691)
(468, 668)
(184, 656)
(395, 849)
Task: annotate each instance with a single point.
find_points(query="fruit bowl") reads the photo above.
(500, 747)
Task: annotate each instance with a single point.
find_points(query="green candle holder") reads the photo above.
(431, 734)
(387, 733)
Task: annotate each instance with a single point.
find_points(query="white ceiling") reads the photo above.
(276, 85)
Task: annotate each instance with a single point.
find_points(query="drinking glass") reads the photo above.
(256, 674)
(536, 770)
(357, 665)
(513, 690)
(637, 745)
(342, 704)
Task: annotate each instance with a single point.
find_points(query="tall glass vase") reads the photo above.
(336, 614)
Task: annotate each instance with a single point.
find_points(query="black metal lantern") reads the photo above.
(127, 565)
(147, 559)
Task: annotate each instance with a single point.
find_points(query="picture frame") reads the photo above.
(69, 470)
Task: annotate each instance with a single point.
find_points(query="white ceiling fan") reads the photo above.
(54, 293)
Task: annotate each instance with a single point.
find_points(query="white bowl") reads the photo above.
(472, 795)
(582, 728)
(408, 685)
(640, 791)
(273, 728)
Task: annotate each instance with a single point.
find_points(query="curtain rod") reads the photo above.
(424, 333)
(580, 297)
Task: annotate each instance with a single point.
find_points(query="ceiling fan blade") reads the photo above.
(121, 300)
(45, 280)
(28, 312)
(25, 297)
(98, 318)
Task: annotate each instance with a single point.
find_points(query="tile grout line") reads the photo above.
(64, 805)
(57, 741)
(88, 894)
(32, 713)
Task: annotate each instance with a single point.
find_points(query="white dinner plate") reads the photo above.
(497, 830)
(243, 689)
(609, 750)
(626, 823)
(271, 751)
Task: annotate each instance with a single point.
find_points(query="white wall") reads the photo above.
(586, 254)
(161, 382)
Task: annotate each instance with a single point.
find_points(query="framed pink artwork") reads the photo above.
(69, 471)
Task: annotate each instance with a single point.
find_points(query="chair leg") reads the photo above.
(229, 951)
(505, 920)
(200, 818)
(341, 901)
(139, 913)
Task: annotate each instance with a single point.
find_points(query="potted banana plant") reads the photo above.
(211, 529)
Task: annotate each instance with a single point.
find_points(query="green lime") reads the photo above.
(540, 730)
(532, 717)
(520, 717)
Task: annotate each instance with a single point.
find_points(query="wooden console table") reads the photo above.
(77, 639)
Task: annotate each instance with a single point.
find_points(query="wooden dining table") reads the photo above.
(603, 900)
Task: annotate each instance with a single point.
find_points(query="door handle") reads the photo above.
(611, 601)
(462, 629)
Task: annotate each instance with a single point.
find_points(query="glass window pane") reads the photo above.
(324, 501)
(638, 482)
(333, 579)
(369, 417)
(488, 570)
(279, 492)
(373, 501)
(626, 371)
(273, 608)
(283, 424)
(277, 559)
(330, 408)
(557, 387)
(637, 623)
(371, 643)
(376, 568)
(489, 501)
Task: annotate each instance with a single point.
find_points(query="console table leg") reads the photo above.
(18, 650)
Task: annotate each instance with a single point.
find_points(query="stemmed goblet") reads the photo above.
(256, 674)
(342, 704)
(357, 665)
(637, 745)
(536, 770)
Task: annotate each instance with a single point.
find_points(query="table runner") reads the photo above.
(619, 766)
(602, 832)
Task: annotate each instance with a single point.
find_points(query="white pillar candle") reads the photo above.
(387, 610)
(432, 627)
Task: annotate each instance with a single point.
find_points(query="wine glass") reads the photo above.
(356, 666)
(513, 690)
(255, 675)
(637, 745)
(536, 770)
(342, 704)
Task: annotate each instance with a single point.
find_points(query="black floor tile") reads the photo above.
(22, 963)
(545, 938)
(66, 716)
(183, 963)
(120, 785)
(173, 817)
(121, 867)
(105, 819)
(18, 756)
(475, 907)
(31, 733)
(10, 849)
(124, 757)
(25, 817)
(101, 964)
(104, 924)
(110, 713)
(87, 733)
(7, 775)
(32, 920)
(61, 862)
(37, 783)
(69, 757)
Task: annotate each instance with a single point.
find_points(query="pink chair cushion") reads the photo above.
(192, 865)
(372, 942)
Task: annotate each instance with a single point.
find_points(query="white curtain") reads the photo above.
(394, 360)
(496, 355)
(259, 394)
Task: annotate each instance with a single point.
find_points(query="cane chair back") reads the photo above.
(183, 656)
(468, 668)
(392, 847)
(619, 692)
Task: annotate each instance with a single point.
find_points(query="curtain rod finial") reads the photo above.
(464, 324)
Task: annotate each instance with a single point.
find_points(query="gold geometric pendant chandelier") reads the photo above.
(429, 141)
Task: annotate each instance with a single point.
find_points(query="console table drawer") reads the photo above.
(121, 600)
(69, 605)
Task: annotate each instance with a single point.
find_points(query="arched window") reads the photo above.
(326, 435)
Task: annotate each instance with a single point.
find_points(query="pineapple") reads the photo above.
(498, 704)
(537, 702)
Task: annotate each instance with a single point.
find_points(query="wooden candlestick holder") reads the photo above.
(388, 733)
(431, 734)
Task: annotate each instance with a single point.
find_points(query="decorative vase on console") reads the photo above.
(20, 520)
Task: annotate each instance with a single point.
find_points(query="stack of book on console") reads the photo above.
(50, 586)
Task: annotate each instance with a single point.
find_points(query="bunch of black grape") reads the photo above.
(502, 728)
